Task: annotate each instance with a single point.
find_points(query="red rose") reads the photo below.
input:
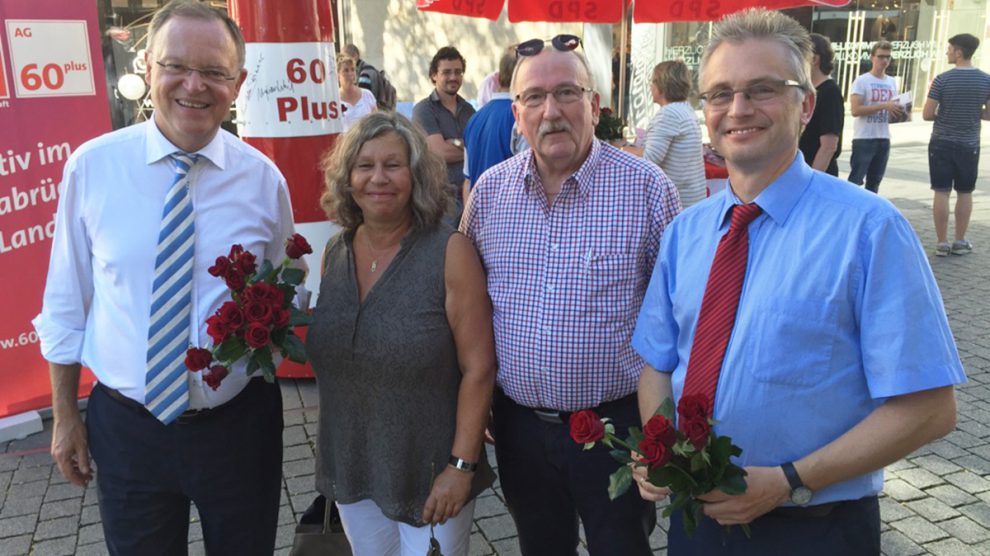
(257, 335)
(660, 429)
(263, 292)
(258, 312)
(235, 251)
(198, 359)
(654, 453)
(280, 317)
(586, 427)
(218, 329)
(215, 376)
(246, 263)
(220, 268)
(231, 314)
(235, 279)
(297, 246)
(694, 406)
(697, 431)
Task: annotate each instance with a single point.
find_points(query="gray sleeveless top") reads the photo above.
(388, 378)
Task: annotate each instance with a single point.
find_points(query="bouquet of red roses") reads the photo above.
(690, 460)
(258, 320)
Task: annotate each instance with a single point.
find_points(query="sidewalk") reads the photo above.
(936, 501)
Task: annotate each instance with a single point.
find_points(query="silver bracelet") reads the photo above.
(461, 465)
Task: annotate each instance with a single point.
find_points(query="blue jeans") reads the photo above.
(869, 159)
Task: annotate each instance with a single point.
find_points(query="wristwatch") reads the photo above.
(800, 494)
(461, 465)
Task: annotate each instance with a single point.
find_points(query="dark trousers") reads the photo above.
(549, 480)
(851, 529)
(228, 462)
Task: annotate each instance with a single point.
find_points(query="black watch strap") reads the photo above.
(792, 475)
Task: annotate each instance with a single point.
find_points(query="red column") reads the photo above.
(289, 107)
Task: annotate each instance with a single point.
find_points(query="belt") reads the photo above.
(556, 417)
(187, 417)
(818, 510)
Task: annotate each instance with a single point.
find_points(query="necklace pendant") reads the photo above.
(374, 265)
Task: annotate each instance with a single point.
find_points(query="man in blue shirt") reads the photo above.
(957, 101)
(488, 135)
(840, 361)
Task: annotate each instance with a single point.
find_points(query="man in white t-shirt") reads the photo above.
(872, 103)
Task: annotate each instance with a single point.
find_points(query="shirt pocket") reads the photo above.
(609, 279)
(793, 340)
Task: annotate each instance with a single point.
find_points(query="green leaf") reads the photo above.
(293, 276)
(295, 350)
(619, 482)
(621, 456)
(589, 445)
(264, 357)
(667, 409)
(231, 350)
(635, 436)
(252, 365)
(697, 462)
(609, 427)
(733, 485)
(299, 318)
(262, 275)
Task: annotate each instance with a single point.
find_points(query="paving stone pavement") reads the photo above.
(936, 501)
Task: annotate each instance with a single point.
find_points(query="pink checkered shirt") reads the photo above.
(567, 280)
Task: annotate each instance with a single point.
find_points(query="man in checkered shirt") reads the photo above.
(568, 233)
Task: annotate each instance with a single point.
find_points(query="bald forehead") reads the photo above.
(549, 58)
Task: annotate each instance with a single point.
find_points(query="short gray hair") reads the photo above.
(429, 200)
(522, 60)
(763, 24)
(196, 10)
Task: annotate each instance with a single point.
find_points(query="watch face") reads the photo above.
(801, 496)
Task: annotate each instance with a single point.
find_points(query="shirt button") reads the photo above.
(550, 287)
(553, 247)
(546, 330)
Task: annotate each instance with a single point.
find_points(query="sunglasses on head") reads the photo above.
(563, 43)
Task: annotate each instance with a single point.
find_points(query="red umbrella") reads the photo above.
(609, 11)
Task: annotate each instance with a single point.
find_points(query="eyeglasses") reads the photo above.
(763, 91)
(563, 43)
(452, 72)
(564, 94)
(179, 70)
(883, 56)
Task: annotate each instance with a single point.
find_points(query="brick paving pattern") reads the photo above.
(936, 501)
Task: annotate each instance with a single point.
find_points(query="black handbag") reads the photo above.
(321, 539)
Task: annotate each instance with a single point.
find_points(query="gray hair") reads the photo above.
(196, 10)
(522, 59)
(429, 200)
(763, 24)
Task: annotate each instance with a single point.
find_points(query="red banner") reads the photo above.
(490, 9)
(53, 97)
(710, 10)
(581, 11)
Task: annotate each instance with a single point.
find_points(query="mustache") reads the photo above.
(551, 127)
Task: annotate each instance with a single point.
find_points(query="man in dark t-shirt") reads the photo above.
(957, 101)
(821, 141)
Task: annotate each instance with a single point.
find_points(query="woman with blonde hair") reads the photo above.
(355, 102)
(673, 140)
(402, 348)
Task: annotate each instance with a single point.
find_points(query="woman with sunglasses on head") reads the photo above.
(355, 101)
(401, 345)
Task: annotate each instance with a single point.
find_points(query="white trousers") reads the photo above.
(372, 534)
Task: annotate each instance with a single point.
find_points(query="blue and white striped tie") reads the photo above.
(166, 387)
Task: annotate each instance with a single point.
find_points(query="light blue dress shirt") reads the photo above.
(839, 311)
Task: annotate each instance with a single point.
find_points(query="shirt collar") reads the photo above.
(501, 94)
(435, 97)
(779, 198)
(157, 146)
(584, 176)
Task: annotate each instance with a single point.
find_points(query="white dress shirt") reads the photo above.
(98, 292)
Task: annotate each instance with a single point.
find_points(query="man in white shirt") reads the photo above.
(224, 452)
(872, 102)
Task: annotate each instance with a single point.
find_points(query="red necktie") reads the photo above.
(718, 306)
